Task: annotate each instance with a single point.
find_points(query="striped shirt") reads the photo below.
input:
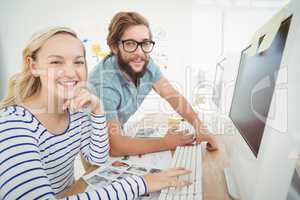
(37, 164)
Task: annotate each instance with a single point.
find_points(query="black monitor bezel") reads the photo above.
(234, 91)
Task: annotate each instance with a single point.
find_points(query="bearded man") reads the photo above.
(126, 76)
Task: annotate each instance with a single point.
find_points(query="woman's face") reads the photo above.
(61, 66)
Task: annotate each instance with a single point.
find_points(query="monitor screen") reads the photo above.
(217, 85)
(254, 88)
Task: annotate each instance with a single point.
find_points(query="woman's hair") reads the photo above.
(120, 22)
(23, 84)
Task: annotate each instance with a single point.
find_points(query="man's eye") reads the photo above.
(147, 44)
(130, 43)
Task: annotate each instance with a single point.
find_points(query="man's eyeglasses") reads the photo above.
(132, 45)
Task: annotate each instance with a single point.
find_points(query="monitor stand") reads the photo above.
(231, 184)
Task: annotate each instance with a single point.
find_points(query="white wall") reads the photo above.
(191, 33)
(240, 24)
(20, 19)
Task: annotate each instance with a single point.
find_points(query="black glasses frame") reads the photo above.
(137, 45)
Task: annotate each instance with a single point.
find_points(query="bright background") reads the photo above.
(191, 35)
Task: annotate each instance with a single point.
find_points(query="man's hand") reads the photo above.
(177, 138)
(203, 135)
(211, 145)
(169, 178)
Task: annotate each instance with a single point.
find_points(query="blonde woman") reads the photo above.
(43, 128)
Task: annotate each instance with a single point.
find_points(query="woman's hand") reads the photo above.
(164, 179)
(82, 98)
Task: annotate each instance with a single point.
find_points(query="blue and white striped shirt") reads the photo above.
(36, 164)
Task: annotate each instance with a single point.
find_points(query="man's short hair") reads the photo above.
(120, 22)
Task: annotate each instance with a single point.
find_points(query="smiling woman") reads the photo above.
(43, 127)
(39, 61)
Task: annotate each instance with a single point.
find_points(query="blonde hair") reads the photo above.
(23, 84)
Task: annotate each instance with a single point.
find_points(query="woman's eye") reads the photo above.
(56, 62)
(79, 62)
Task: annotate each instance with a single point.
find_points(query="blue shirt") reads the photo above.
(121, 98)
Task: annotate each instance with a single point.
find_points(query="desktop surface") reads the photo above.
(213, 163)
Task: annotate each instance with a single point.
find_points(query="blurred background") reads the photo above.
(191, 36)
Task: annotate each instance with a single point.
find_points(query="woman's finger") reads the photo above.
(177, 183)
(66, 104)
(72, 105)
(182, 183)
(79, 99)
(84, 103)
(81, 93)
(178, 172)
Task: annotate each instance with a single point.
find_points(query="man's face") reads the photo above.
(136, 62)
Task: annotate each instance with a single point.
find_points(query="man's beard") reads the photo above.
(124, 66)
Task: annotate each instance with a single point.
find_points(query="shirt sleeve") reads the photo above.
(22, 174)
(124, 189)
(94, 139)
(154, 70)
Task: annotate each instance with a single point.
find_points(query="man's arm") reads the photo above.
(179, 103)
(123, 145)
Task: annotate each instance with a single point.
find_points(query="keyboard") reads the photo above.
(189, 157)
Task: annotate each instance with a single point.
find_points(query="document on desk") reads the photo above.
(121, 167)
(151, 132)
(160, 160)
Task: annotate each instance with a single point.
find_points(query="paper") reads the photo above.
(272, 30)
(254, 44)
(269, 30)
(151, 132)
(117, 169)
(121, 167)
(160, 160)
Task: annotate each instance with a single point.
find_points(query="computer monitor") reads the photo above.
(263, 155)
(294, 190)
(251, 103)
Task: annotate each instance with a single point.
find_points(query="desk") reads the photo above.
(213, 163)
